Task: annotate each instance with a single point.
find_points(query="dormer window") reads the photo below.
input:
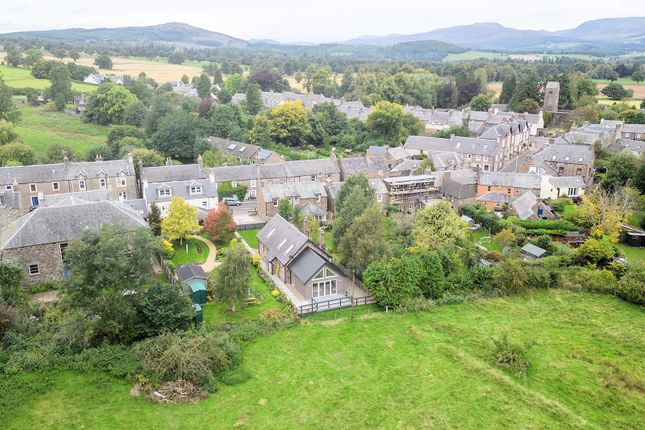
(120, 180)
(102, 183)
(165, 192)
(81, 185)
(195, 189)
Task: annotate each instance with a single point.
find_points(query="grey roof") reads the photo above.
(311, 209)
(378, 185)
(503, 179)
(325, 166)
(492, 196)
(445, 160)
(272, 171)
(524, 204)
(459, 144)
(180, 189)
(235, 173)
(60, 172)
(464, 176)
(566, 181)
(80, 196)
(190, 271)
(281, 239)
(303, 190)
(306, 265)
(181, 172)
(378, 151)
(263, 154)
(408, 166)
(573, 154)
(458, 190)
(579, 137)
(531, 249)
(65, 222)
(466, 218)
(398, 153)
(634, 128)
(637, 147)
(238, 149)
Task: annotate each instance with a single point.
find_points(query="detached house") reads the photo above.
(37, 241)
(308, 273)
(245, 152)
(32, 183)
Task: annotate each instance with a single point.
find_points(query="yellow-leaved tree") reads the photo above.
(604, 212)
(181, 221)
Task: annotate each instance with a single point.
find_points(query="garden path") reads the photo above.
(211, 261)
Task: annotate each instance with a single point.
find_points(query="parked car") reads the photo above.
(231, 201)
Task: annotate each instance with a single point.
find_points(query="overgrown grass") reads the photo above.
(250, 237)
(632, 253)
(22, 78)
(40, 128)
(215, 314)
(192, 256)
(419, 370)
(478, 237)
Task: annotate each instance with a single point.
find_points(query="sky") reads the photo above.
(313, 21)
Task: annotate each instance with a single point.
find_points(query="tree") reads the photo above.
(285, 208)
(267, 80)
(638, 76)
(233, 83)
(103, 62)
(328, 123)
(217, 157)
(254, 102)
(620, 171)
(437, 225)
(228, 122)
(289, 123)
(149, 157)
(181, 221)
(20, 153)
(13, 57)
(57, 152)
(468, 86)
(604, 212)
(508, 88)
(232, 277)
(349, 212)
(160, 106)
(176, 58)
(599, 252)
(314, 226)
(203, 86)
(616, 91)
(504, 238)
(528, 87)
(11, 289)
(586, 87)
(8, 133)
(108, 103)
(260, 133)
(361, 181)
(108, 269)
(511, 276)
(32, 56)
(393, 282)
(8, 110)
(154, 219)
(432, 282)
(481, 102)
(178, 136)
(164, 308)
(117, 134)
(528, 105)
(219, 224)
(135, 114)
(74, 55)
(364, 241)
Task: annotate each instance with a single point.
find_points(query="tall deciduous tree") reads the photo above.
(181, 220)
(178, 136)
(285, 209)
(103, 61)
(164, 308)
(7, 132)
(357, 203)
(232, 276)
(289, 123)
(364, 241)
(60, 90)
(203, 86)
(219, 224)
(8, 110)
(254, 102)
(108, 103)
(437, 225)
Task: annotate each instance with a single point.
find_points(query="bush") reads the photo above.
(511, 277)
(415, 304)
(512, 354)
(596, 251)
(8, 317)
(41, 287)
(170, 357)
(593, 281)
(235, 376)
(117, 360)
(246, 331)
(631, 287)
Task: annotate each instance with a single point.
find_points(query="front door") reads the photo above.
(34, 201)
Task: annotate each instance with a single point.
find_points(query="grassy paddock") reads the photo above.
(419, 370)
(22, 78)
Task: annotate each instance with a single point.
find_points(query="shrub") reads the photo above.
(482, 277)
(415, 304)
(8, 317)
(631, 287)
(511, 277)
(117, 360)
(246, 331)
(168, 249)
(235, 376)
(255, 260)
(41, 287)
(164, 307)
(593, 281)
(170, 357)
(596, 251)
(512, 354)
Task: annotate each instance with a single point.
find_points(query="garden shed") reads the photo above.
(193, 281)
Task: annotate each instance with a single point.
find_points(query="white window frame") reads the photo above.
(123, 195)
(102, 183)
(276, 202)
(82, 185)
(31, 272)
(33, 188)
(8, 188)
(318, 198)
(204, 203)
(253, 183)
(164, 192)
(234, 184)
(195, 189)
(121, 181)
(56, 186)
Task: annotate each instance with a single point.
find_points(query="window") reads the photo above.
(234, 184)
(120, 181)
(165, 192)
(470, 156)
(253, 193)
(508, 191)
(313, 178)
(579, 171)
(573, 191)
(55, 186)
(63, 248)
(123, 196)
(102, 183)
(253, 183)
(296, 179)
(478, 157)
(296, 200)
(326, 288)
(486, 167)
(34, 269)
(8, 187)
(275, 203)
(33, 188)
(81, 184)
(489, 188)
(318, 198)
(195, 189)
(204, 203)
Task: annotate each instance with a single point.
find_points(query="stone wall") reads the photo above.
(48, 258)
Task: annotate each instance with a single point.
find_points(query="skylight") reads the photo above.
(286, 252)
(282, 243)
(242, 149)
(566, 158)
(232, 146)
(270, 233)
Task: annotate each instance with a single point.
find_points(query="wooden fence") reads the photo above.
(342, 302)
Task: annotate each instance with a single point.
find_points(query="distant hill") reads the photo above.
(171, 33)
(615, 32)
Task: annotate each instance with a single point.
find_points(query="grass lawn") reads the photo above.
(407, 371)
(490, 245)
(632, 253)
(192, 256)
(215, 313)
(570, 211)
(250, 237)
(22, 78)
(40, 128)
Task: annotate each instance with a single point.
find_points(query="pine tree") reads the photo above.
(154, 219)
(254, 102)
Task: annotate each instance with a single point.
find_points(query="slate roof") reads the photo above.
(492, 196)
(503, 179)
(281, 239)
(407, 167)
(531, 249)
(566, 181)
(180, 189)
(190, 271)
(238, 149)
(58, 171)
(181, 172)
(637, 147)
(306, 265)
(235, 173)
(303, 190)
(378, 185)
(573, 154)
(459, 144)
(80, 197)
(524, 204)
(634, 128)
(445, 160)
(64, 223)
(325, 166)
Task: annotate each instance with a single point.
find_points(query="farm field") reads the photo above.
(22, 78)
(418, 370)
(40, 128)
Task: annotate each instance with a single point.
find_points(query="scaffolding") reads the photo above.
(408, 193)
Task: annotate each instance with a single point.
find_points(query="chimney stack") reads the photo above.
(305, 226)
(200, 160)
(322, 239)
(66, 161)
(130, 157)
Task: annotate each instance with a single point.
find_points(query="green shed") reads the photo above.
(199, 314)
(193, 281)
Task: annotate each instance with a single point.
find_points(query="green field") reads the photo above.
(22, 78)
(475, 55)
(250, 237)
(406, 371)
(40, 128)
(632, 253)
(215, 313)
